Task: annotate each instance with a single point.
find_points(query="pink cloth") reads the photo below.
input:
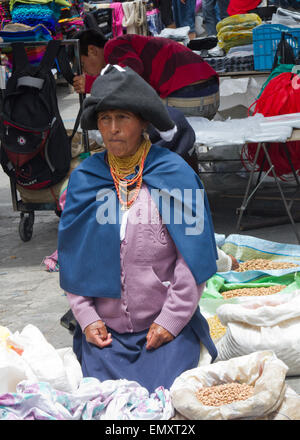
(157, 285)
(118, 15)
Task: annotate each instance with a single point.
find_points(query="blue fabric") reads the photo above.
(127, 357)
(286, 3)
(184, 13)
(183, 140)
(210, 14)
(89, 253)
(38, 33)
(197, 90)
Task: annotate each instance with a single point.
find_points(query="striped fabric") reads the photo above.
(165, 64)
(200, 101)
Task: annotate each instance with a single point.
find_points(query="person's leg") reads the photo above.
(166, 13)
(209, 16)
(223, 5)
(184, 14)
(127, 358)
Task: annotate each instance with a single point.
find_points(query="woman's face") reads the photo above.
(121, 131)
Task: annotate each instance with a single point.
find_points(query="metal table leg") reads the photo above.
(250, 180)
(281, 193)
(248, 195)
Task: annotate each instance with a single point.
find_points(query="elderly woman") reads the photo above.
(136, 242)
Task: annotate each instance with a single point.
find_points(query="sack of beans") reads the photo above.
(246, 387)
(262, 323)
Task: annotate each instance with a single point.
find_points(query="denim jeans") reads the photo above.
(184, 13)
(197, 99)
(210, 19)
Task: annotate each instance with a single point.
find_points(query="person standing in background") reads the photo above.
(184, 15)
(209, 12)
(166, 13)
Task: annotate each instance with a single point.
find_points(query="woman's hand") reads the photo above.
(79, 83)
(96, 333)
(157, 336)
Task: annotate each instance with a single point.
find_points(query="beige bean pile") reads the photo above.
(216, 329)
(261, 264)
(253, 291)
(224, 394)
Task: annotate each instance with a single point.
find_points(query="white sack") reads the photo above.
(288, 410)
(262, 323)
(263, 370)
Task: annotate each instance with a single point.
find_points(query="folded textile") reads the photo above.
(34, 14)
(35, 33)
(93, 400)
(203, 43)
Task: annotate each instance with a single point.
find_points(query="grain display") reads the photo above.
(262, 264)
(224, 394)
(253, 291)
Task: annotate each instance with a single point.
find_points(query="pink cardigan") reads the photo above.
(157, 285)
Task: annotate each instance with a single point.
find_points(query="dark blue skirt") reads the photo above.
(127, 357)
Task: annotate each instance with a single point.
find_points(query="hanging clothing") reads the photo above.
(154, 22)
(135, 20)
(118, 16)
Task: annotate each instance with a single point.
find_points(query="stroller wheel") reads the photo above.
(26, 226)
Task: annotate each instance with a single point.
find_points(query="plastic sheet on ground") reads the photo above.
(247, 247)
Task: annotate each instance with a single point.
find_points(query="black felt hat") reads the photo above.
(121, 88)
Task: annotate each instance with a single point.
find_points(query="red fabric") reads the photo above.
(89, 81)
(242, 6)
(159, 61)
(281, 96)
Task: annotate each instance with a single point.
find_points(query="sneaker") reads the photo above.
(216, 52)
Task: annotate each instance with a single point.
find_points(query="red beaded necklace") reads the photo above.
(128, 189)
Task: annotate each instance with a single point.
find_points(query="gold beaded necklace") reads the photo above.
(121, 167)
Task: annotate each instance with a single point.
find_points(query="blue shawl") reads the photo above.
(89, 247)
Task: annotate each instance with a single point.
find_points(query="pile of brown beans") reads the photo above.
(223, 394)
(253, 291)
(262, 264)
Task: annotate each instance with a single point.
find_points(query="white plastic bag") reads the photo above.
(39, 362)
(263, 370)
(13, 370)
(263, 323)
